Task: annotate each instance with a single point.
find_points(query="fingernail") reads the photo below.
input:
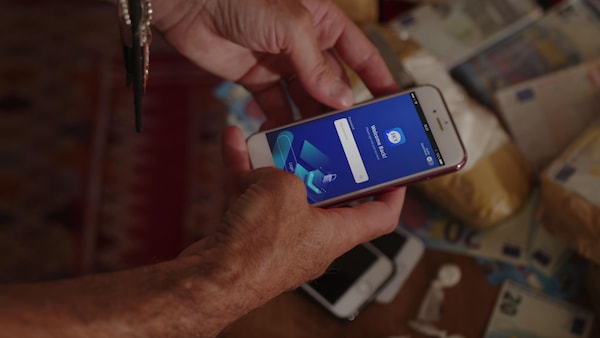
(342, 92)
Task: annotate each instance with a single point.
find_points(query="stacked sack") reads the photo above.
(571, 195)
(495, 182)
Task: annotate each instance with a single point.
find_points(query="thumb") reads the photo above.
(235, 158)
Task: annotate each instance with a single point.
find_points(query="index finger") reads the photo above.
(362, 56)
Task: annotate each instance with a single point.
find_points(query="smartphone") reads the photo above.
(351, 282)
(344, 155)
(405, 250)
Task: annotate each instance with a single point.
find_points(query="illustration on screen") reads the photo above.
(311, 165)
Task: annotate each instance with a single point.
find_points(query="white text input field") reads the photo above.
(351, 150)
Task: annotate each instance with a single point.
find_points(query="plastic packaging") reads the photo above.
(495, 182)
(570, 188)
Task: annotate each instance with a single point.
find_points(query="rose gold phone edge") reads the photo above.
(260, 153)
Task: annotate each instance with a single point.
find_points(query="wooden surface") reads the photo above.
(466, 311)
(467, 308)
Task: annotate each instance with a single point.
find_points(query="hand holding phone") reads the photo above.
(347, 154)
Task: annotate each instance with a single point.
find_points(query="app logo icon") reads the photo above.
(395, 136)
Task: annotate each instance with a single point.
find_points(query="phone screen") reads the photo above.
(358, 148)
(343, 273)
(390, 244)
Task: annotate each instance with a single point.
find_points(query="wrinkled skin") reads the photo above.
(257, 43)
(275, 238)
(270, 240)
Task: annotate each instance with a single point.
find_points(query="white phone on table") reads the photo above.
(352, 281)
(347, 154)
(405, 250)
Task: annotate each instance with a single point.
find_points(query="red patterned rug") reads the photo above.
(81, 191)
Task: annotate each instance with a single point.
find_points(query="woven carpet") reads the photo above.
(80, 190)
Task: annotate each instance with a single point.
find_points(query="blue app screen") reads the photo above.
(358, 148)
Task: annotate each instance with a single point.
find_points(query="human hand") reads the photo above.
(272, 240)
(259, 43)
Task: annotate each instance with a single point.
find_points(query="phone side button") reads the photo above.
(364, 287)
